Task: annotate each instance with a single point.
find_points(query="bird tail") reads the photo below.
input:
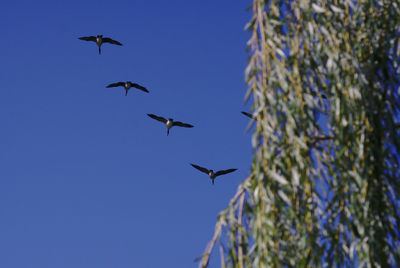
(126, 92)
(212, 181)
(167, 131)
(99, 50)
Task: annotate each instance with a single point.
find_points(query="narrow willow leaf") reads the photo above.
(336, 9)
(317, 8)
(278, 178)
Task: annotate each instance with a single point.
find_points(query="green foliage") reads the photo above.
(325, 184)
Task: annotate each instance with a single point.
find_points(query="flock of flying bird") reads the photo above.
(169, 123)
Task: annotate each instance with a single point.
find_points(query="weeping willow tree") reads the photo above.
(324, 189)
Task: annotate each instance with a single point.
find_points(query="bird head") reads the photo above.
(170, 119)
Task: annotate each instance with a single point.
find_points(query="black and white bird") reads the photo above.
(169, 123)
(100, 40)
(211, 172)
(128, 85)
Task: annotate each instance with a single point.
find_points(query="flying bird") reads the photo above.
(169, 123)
(127, 85)
(211, 172)
(100, 40)
(249, 115)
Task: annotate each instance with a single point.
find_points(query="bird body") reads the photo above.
(128, 85)
(212, 175)
(99, 40)
(211, 172)
(170, 122)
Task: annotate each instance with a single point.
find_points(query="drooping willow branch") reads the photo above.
(240, 194)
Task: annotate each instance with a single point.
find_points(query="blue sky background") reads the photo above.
(86, 178)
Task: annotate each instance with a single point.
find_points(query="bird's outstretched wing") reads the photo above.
(200, 168)
(116, 84)
(249, 115)
(88, 38)
(222, 172)
(158, 118)
(109, 40)
(180, 124)
(140, 87)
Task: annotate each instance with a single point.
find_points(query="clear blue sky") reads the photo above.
(86, 178)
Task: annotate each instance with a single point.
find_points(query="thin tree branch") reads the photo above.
(316, 139)
(206, 256)
(221, 254)
(240, 249)
(218, 227)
